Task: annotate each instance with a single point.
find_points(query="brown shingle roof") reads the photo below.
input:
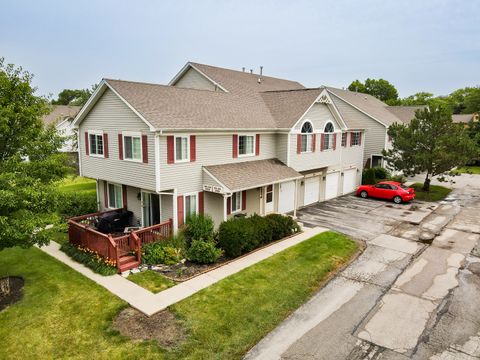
(59, 113)
(405, 113)
(251, 174)
(367, 103)
(462, 118)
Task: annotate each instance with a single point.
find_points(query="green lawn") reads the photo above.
(151, 280)
(64, 314)
(77, 184)
(436, 192)
(469, 170)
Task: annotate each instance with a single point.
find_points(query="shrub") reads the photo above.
(381, 173)
(398, 178)
(90, 259)
(198, 227)
(75, 204)
(160, 252)
(368, 177)
(203, 252)
(240, 235)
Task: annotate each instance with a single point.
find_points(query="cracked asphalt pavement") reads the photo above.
(414, 293)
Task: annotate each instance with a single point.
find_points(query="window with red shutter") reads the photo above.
(180, 211)
(120, 146)
(235, 146)
(229, 205)
(86, 143)
(244, 200)
(193, 148)
(105, 145)
(201, 206)
(299, 143)
(170, 149)
(145, 148)
(257, 145)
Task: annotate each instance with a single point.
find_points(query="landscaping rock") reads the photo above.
(426, 236)
(474, 268)
(476, 250)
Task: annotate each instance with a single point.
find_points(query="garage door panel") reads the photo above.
(349, 181)
(312, 190)
(331, 186)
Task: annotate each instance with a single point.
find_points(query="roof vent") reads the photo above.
(251, 71)
(243, 69)
(261, 71)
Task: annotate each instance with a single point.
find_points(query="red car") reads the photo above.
(389, 190)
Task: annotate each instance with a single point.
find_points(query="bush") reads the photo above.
(368, 177)
(203, 252)
(398, 178)
(198, 227)
(160, 252)
(381, 173)
(90, 259)
(237, 236)
(76, 204)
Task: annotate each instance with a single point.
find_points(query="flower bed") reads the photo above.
(90, 259)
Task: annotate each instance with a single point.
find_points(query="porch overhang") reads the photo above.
(229, 178)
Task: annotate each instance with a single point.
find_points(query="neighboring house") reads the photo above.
(465, 118)
(217, 141)
(61, 116)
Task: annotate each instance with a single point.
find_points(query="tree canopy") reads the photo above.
(29, 161)
(380, 88)
(432, 144)
(73, 96)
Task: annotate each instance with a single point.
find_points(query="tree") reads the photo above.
(472, 101)
(430, 144)
(29, 162)
(420, 98)
(380, 88)
(74, 96)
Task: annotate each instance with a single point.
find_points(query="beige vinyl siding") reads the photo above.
(166, 207)
(375, 133)
(213, 204)
(210, 150)
(318, 115)
(281, 144)
(253, 201)
(134, 204)
(112, 116)
(192, 79)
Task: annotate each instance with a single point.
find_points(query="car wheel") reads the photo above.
(397, 200)
(364, 194)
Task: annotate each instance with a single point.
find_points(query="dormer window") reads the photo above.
(307, 137)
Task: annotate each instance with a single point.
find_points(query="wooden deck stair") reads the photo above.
(127, 262)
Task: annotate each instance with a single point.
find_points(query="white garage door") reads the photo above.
(286, 198)
(331, 186)
(349, 181)
(312, 190)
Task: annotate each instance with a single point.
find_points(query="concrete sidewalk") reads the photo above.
(149, 303)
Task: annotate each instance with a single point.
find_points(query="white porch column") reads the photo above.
(175, 211)
(295, 200)
(225, 207)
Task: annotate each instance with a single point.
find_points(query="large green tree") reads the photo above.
(73, 96)
(29, 162)
(379, 88)
(431, 144)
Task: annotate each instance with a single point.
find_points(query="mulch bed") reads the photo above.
(185, 271)
(162, 327)
(15, 294)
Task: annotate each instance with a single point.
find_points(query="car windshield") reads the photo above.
(404, 187)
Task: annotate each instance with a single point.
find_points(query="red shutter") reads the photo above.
(193, 149)
(334, 141)
(86, 144)
(105, 145)
(180, 212)
(299, 143)
(235, 146)
(244, 200)
(124, 196)
(257, 145)
(359, 138)
(170, 149)
(145, 148)
(229, 205)
(322, 141)
(120, 146)
(201, 206)
(351, 139)
(105, 194)
(314, 140)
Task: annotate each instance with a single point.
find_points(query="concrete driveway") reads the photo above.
(413, 294)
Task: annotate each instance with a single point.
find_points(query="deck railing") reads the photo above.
(81, 232)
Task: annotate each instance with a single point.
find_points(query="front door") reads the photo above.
(268, 199)
(377, 161)
(150, 209)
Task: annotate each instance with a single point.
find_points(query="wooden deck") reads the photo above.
(125, 250)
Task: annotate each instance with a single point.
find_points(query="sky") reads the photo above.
(422, 45)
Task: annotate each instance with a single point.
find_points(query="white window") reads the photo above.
(328, 137)
(307, 137)
(246, 145)
(115, 197)
(132, 147)
(355, 138)
(236, 201)
(96, 143)
(344, 139)
(181, 148)
(190, 205)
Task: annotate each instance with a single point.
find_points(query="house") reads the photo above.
(217, 141)
(61, 116)
(465, 118)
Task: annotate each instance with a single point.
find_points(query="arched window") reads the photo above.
(329, 139)
(307, 137)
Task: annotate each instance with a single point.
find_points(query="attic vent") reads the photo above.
(324, 99)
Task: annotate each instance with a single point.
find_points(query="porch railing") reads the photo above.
(81, 232)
